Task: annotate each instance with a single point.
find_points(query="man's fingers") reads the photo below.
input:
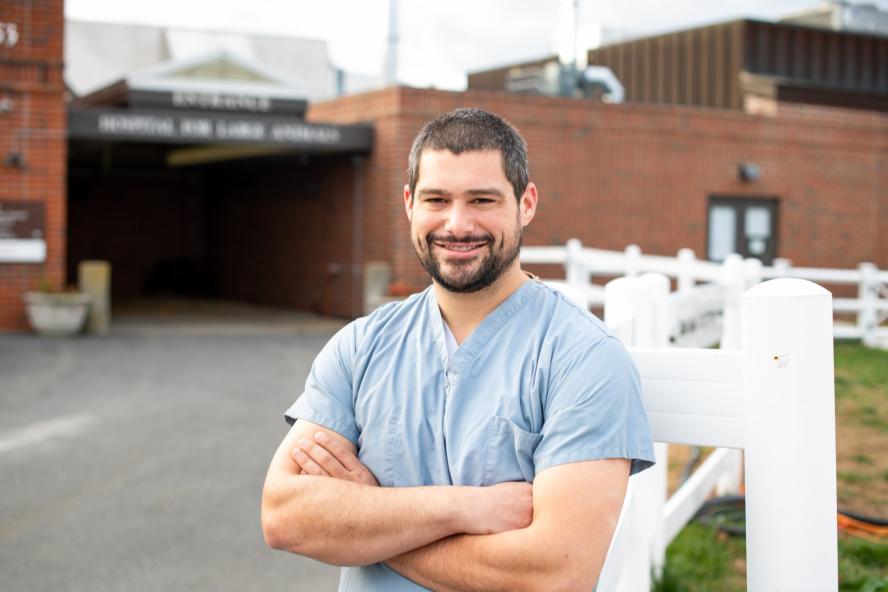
(322, 457)
(308, 465)
(345, 456)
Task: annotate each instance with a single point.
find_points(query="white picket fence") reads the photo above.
(772, 397)
(700, 315)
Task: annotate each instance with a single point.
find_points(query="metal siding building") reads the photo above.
(736, 65)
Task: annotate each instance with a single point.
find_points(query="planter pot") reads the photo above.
(58, 314)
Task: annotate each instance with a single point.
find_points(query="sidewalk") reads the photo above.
(204, 317)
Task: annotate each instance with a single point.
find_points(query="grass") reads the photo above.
(701, 559)
(862, 428)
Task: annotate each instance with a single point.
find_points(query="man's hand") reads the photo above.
(506, 506)
(501, 507)
(326, 457)
(347, 522)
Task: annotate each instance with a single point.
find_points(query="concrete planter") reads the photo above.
(57, 313)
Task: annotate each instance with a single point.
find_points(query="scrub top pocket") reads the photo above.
(509, 452)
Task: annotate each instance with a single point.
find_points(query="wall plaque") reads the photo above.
(22, 232)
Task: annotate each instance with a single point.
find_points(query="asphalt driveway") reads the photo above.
(135, 461)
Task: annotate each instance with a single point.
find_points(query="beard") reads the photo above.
(465, 279)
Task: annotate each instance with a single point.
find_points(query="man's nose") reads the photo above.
(460, 221)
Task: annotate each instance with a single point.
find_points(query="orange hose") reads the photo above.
(861, 529)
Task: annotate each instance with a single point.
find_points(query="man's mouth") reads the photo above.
(459, 246)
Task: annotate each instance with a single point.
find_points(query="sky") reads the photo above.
(439, 42)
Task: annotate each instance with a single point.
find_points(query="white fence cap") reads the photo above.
(786, 287)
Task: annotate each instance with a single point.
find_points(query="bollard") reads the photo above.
(94, 278)
(790, 443)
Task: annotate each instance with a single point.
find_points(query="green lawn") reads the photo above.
(702, 559)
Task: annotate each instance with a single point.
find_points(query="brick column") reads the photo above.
(33, 141)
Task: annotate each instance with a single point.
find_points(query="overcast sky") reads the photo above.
(439, 41)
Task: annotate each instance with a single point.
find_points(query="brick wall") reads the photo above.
(611, 175)
(31, 77)
(283, 236)
(384, 230)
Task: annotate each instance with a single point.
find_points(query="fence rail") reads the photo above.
(726, 280)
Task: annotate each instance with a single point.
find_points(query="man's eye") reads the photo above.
(483, 200)
(435, 200)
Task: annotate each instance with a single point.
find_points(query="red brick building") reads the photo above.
(296, 228)
(612, 175)
(32, 153)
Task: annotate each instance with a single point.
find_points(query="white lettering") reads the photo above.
(8, 219)
(137, 125)
(240, 130)
(194, 100)
(196, 128)
(298, 133)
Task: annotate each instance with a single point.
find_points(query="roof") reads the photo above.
(100, 54)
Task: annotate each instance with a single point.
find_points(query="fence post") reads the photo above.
(789, 437)
(633, 260)
(574, 271)
(733, 280)
(752, 271)
(652, 485)
(686, 280)
(782, 267)
(635, 308)
(868, 295)
(622, 298)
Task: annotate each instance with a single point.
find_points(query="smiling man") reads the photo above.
(478, 435)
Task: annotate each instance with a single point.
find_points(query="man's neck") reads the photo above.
(464, 312)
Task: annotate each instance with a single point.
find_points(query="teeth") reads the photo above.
(461, 247)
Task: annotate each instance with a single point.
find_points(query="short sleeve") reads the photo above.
(594, 410)
(327, 398)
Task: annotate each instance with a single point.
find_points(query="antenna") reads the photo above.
(576, 21)
(391, 56)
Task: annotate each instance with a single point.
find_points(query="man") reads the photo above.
(480, 434)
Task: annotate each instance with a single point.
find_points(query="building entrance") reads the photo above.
(204, 194)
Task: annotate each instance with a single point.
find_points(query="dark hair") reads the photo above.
(465, 130)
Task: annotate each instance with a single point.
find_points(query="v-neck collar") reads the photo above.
(483, 333)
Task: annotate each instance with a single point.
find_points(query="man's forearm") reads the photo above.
(510, 561)
(346, 523)
(563, 548)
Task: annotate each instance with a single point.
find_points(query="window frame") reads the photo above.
(739, 203)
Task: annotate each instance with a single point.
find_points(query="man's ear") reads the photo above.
(408, 202)
(527, 205)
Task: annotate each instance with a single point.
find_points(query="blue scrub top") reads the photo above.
(540, 382)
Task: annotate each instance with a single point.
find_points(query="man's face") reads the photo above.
(465, 222)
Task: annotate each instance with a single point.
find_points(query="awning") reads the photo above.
(215, 128)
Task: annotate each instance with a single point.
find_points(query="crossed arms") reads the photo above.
(551, 535)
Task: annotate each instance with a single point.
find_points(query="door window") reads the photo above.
(744, 226)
